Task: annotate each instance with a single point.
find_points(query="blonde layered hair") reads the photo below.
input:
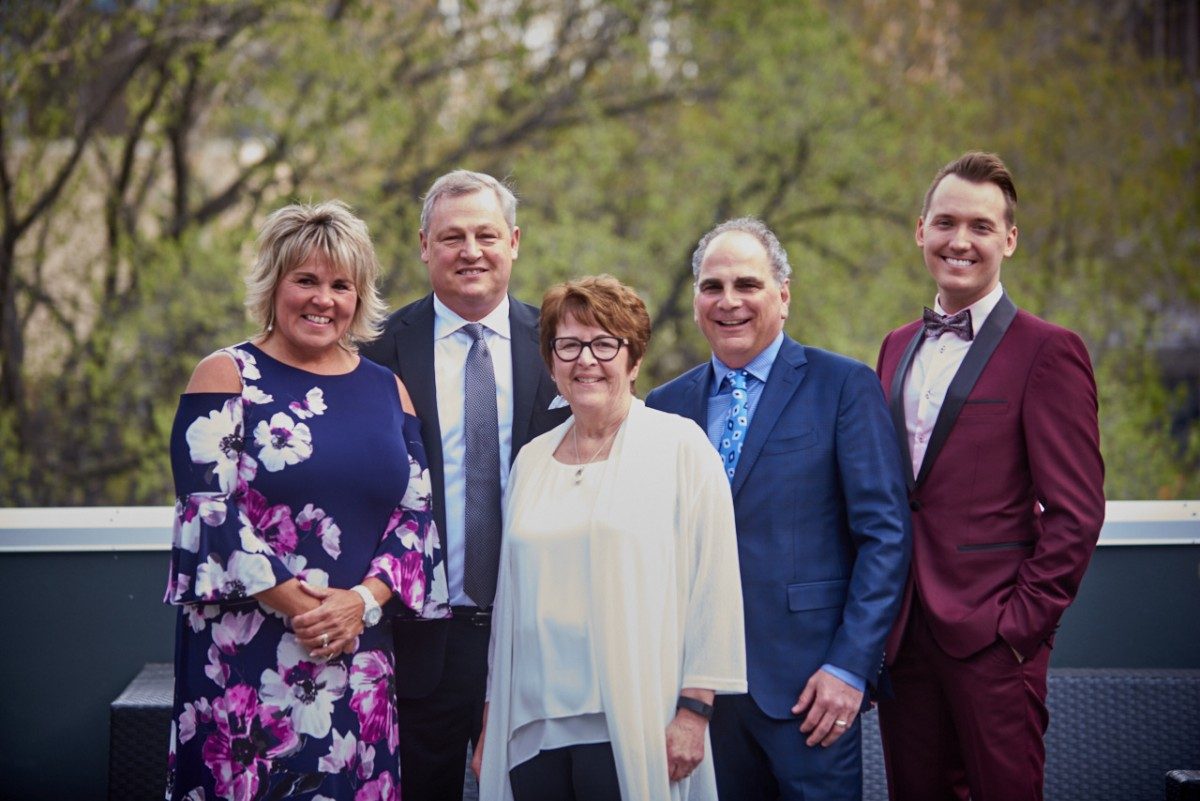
(290, 236)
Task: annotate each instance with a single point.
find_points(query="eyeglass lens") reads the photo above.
(603, 348)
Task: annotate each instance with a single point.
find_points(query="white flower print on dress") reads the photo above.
(247, 364)
(418, 493)
(216, 670)
(192, 714)
(245, 575)
(206, 507)
(198, 615)
(313, 404)
(283, 442)
(347, 754)
(236, 628)
(328, 531)
(303, 687)
(219, 439)
(252, 394)
(313, 576)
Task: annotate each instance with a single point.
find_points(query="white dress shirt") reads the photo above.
(933, 368)
(450, 347)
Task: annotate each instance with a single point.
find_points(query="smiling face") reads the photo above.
(597, 391)
(469, 250)
(739, 305)
(964, 238)
(314, 307)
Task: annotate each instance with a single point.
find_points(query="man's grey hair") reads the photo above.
(465, 182)
(781, 270)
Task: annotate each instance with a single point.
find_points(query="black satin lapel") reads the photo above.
(982, 348)
(526, 357)
(896, 401)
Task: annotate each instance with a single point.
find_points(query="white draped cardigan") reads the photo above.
(665, 598)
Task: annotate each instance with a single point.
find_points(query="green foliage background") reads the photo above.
(142, 144)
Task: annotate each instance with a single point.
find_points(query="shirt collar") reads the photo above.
(446, 321)
(759, 366)
(980, 309)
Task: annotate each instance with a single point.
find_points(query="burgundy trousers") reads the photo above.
(964, 728)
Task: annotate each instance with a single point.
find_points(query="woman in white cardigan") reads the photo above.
(619, 608)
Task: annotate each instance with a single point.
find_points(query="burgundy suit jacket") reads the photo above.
(1009, 500)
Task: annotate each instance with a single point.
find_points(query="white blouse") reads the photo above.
(656, 579)
(557, 685)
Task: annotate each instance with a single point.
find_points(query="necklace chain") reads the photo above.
(592, 458)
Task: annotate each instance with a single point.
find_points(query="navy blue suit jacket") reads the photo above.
(822, 519)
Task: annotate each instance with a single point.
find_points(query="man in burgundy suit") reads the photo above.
(995, 415)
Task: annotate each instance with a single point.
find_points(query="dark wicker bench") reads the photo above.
(1113, 734)
(139, 735)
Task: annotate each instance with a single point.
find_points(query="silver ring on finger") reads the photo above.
(841, 723)
(325, 640)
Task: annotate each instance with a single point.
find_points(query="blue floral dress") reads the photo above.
(317, 477)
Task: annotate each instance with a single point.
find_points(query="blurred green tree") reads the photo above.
(141, 143)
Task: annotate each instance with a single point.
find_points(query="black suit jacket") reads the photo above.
(406, 347)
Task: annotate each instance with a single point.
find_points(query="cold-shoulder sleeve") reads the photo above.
(409, 558)
(215, 554)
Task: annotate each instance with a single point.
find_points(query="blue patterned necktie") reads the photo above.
(736, 423)
(481, 471)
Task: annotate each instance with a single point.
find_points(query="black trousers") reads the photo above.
(585, 772)
(435, 729)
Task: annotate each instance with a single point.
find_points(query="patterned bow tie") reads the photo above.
(938, 324)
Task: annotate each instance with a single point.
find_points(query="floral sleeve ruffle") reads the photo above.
(410, 559)
(217, 553)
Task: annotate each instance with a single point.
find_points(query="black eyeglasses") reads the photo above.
(604, 349)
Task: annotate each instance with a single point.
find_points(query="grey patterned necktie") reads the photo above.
(481, 470)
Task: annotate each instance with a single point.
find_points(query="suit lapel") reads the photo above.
(786, 375)
(896, 401)
(414, 350)
(697, 395)
(527, 359)
(982, 348)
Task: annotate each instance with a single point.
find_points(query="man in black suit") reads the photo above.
(451, 348)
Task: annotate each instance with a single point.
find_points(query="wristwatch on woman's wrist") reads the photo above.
(371, 611)
(695, 705)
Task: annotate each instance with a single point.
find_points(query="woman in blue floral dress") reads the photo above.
(302, 514)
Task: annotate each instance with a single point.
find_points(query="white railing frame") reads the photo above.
(148, 528)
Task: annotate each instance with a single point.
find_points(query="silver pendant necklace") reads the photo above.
(585, 463)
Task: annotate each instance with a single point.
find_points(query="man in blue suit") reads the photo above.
(822, 522)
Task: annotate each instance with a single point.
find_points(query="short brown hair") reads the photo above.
(598, 300)
(980, 168)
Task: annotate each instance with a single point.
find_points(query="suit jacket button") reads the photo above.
(915, 505)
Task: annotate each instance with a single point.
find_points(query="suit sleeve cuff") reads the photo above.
(853, 679)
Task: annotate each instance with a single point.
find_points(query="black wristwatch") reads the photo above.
(695, 705)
